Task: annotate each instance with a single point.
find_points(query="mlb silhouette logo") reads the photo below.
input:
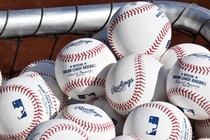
(153, 125)
(19, 109)
(188, 111)
(84, 96)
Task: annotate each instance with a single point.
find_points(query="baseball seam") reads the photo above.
(50, 92)
(128, 14)
(139, 87)
(62, 127)
(37, 106)
(181, 64)
(203, 123)
(88, 126)
(159, 39)
(53, 97)
(41, 74)
(193, 96)
(176, 126)
(50, 62)
(180, 52)
(64, 97)
(84, 81)
(81, 56)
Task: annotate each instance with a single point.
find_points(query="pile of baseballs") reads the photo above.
(125, 83)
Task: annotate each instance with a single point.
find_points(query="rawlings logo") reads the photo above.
(122, 86)
(80, 42)
(204, 56)
(88, 111)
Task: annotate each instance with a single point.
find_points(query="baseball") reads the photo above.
(46, 69)
(96, 123)
(117, 118)
(139, 27)
(81, 68)
(169, 58)
(24, 103)
(188, 82)
(56, 129)
(133, 80)
(158, 121)
(202, 128)
(45, 89)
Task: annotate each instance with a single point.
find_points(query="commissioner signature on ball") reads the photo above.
(80, 73)
(187, 84)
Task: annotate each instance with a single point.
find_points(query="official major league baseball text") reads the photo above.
(188, 83)
(81, 68)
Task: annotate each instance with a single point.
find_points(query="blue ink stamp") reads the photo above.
(19, 108)
(153, 125)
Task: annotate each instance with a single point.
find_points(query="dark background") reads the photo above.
(32, 49)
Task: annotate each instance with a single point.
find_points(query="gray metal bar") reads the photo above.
(90, 18)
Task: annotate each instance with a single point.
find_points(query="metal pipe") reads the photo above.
(91, 18)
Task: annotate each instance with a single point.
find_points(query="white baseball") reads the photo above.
(202, 128)
(139, 27)
(46, 69)
(133, 80)
(188, 82)
(81, 68)
(96, 123)
(46, 90)
(24, 103)
(158, 121)
(127, 137)
(117, 118)
(56, 129)
(169, 58)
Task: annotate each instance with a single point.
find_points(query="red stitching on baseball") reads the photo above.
(38, 62)
(139, 86)
(62, 127)
(159, 39)
(88, 126)
(181, 64)
(34, 74)
(84, 81)
(81, 56)
(53, 97)
(38, 109)
(121, 18)
(179, 51)
(175, 134)
(129, 14)
(203, 123)
(196, 98)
